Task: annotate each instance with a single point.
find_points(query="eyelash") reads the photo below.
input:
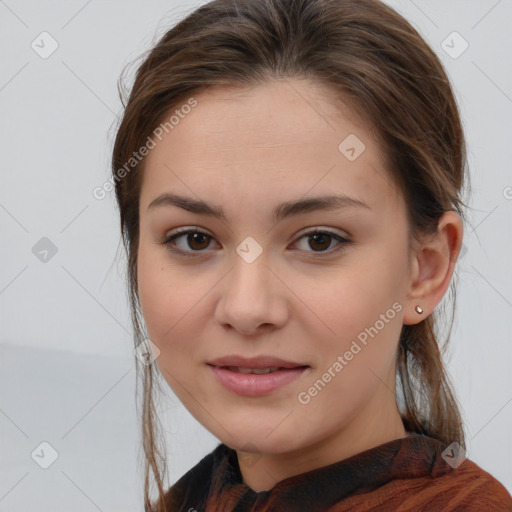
(343, 242)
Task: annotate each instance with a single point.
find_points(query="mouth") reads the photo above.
(259, 371)
(254, 382)
(262, 362)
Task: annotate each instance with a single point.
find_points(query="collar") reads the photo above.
(410, 457)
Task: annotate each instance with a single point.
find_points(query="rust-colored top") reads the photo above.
(404, 475)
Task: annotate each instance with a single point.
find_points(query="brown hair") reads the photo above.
(377, 62)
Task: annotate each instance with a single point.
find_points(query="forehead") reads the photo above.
(271, 142)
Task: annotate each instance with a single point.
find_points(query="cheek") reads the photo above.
(360, 319)
(169, 300)
(159, 295)
(344, 302)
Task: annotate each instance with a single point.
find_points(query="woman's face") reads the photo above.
(254, 284)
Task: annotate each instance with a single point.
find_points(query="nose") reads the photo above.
(253, 300)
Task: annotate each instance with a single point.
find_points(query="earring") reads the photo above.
(418, 310)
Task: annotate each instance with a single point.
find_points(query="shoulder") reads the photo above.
(421, 479)
(193, 487)
(472, 488)
(466, 488)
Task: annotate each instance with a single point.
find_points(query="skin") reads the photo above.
(247, 150)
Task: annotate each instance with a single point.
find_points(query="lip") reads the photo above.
(265, 361)
(251, 384)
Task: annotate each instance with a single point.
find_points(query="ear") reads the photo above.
(432, 266)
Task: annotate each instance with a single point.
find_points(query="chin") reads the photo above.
(260, 442)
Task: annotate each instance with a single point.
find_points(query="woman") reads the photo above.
(289, 178)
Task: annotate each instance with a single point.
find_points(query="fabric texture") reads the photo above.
(404, 475)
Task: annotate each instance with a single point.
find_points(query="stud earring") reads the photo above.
(418, 310)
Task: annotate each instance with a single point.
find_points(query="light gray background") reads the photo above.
(66, 366)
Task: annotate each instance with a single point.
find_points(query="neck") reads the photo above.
(378, 423)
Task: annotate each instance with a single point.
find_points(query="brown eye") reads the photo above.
(192, 242)
(197, 240)
(320, 241)
(188, 241)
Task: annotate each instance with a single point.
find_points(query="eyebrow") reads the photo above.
(282, 211)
